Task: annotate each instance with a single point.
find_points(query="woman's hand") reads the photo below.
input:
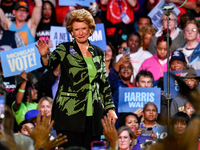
(124, 59)
(112, 115)
(23, 75)
(138, 112)
(42, 47)
(137, 133)
(153, 135)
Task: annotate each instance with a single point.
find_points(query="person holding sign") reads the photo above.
(83, 86)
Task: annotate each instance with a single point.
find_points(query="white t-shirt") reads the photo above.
(137, 59)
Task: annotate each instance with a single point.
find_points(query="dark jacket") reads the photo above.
(69, 108)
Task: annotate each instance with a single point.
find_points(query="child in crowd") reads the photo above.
(188, 109)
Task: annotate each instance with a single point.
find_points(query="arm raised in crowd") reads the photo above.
(20, 93)
(36, 16)
(4, 21)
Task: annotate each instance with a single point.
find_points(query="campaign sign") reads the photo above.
(156, 13)
(160, 131)
(19, 59)
(58, 35)
(85, 3)
(173, 84)
(131, 99)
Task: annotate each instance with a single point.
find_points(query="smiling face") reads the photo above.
(180, 127)
(162, 50)
(150, 113)
(176, 65)
(126, 71)
(108, 54)
(124, 140)
(191, 32)
(132, 122)
(46, 11)
(80, 31)
(45, 108)
(133, 42)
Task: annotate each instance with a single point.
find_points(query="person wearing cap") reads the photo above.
(191, 79)
(22, 128)
(27, 29)
(177, 61)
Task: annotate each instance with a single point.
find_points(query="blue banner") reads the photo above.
(161, 132)
(131, 99)
(173, 85)
(58, 35)
(16, 60)
(85, 3)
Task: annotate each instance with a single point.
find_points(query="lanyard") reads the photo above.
(120, 6)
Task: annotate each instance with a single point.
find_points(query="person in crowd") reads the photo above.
(192, 48)
(121, 46)
(83, 81)
(120, 76)
(27, 29)
(48, 19)
(110, 55)
(189, 4)
(31, 115)
(25, 95)
(177, 61)
(136, 56)
(125, 138)
(184, 19)
(144, 79)
(191, 79)
(157, 64)
(146, 33)
(176, 34)
(22, 127)
(144, 21)
(45, 106)
(118, 27)
(196, 11)
(66, 17)
(188, 109)
(7, 6)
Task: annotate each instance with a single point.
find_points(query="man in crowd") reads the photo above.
(27, 29)
(144, 79)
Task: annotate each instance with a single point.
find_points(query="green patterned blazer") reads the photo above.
(70, 104)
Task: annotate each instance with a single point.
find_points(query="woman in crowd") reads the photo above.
(25, 95)
(125, 138)
(83, 85)
(45, 106)
(157, 64)
(176, 34)
(110, 55)
(192, 48)
(177, 61)
(120, 47)
(120, 76)
(48, 19)
(146, 33)
(136, 56)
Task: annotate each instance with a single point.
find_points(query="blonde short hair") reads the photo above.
(49, 99)
(81, 15)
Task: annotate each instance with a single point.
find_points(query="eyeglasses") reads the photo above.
(22, 10)
(192, 30)
(169, 19)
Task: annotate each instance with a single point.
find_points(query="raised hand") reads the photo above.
(42, 47)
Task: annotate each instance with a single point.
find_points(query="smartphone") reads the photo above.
(2, 107)
(147, 130)
(126, 50)
(98, 145)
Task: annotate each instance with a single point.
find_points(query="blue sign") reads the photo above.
(131, 99)
(160, 131)
(16, 60)
(173, 85)
(59, 35)
(85, 3)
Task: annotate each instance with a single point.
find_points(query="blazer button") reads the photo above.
(68, 94)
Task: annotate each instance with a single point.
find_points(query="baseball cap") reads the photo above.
(189, 72)
(177, 55)
(21, 4)
(31, 114)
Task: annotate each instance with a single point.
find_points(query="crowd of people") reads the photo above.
(73, 99)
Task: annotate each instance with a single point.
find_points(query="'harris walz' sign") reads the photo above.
(131, 99)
